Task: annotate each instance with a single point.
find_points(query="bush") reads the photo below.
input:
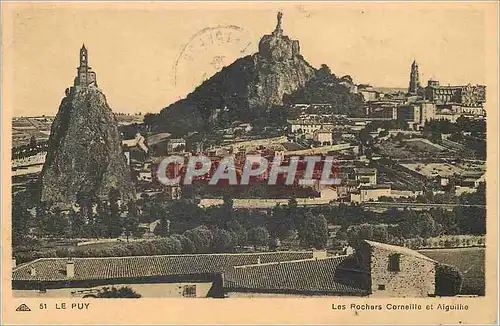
(187, 244)
(123, 292)
(448, 280)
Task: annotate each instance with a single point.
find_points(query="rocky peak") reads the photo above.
(278, 47)
(246, 88)
(84, 155)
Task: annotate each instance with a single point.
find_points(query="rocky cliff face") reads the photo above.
(85, 154)
(279, 69)
(246, 87)
(274, 79)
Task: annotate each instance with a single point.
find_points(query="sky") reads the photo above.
(136, 49)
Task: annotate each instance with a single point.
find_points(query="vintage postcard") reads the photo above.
(249, 162)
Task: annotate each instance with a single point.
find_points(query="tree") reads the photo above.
(122, 292)
(448, 280)
(130, 225)
(259, 237)
(239, 232)
(33, 142)
(476, 198)
(201, 237)
(227, 211)
(471, 220)
(383, 133)
(380, 233)
(365, 137)
(357, 233)
(223, 241)
(426, 226)
(313, 231)
(56, 224)
(114, 228)
(187, 245)
(20, 220)
(326, 88)
(98, 226)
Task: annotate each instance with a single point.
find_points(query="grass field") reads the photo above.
(470, 261)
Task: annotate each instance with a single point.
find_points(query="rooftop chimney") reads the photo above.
(14, 262)
(70, 268)
(33, 271)
(258, 260)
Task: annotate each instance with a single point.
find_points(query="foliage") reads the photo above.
(326, 88)
(20, 220)
(475, 139)
(448, 280)
(201, 237)
(122, 292)
(258, 237)
(313, 231)
(224, 241)
(476, 198)
(357, 233)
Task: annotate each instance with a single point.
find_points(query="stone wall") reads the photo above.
(416, 277)
(153, 290)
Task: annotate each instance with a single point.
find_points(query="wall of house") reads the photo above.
(152, 290)
(374, 194)
(416, 277)
(323, 137)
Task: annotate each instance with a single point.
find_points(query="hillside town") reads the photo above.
(91, 219)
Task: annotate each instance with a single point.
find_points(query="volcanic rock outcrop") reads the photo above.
(85, 156)
(246, 87)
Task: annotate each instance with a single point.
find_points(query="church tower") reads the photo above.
(414, 79)
(83, 56)
(85, 76)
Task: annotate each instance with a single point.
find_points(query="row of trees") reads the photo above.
(474, 143)
(92, 218)
(231, 229)
(326, 88)
(30, 149)
(198, 240)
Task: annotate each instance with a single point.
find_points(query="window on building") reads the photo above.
(381, 287)
(189, 291)
(394, 262)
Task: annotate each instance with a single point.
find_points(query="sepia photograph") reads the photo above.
(337, 152)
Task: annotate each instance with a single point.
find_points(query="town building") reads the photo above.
(307, 127)
(366, 176)
(195, 275)
(416, 114)
(85, 76)
(375, 269)
(176, 145)
(383, 109)
(369, 94)
(395, 271)
(370, 193)
(414, 86)
(324, 136)
(464, 95)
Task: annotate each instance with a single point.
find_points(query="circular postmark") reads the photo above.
(207, 52)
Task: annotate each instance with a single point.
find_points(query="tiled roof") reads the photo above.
(54, 269)
(402, 250)
(306, 276)
(369, 171)
(377, 186)
(158, 138)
